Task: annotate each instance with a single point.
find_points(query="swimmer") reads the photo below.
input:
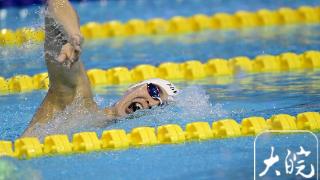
(68, 78)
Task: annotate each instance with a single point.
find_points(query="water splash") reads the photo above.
(75, 117)
(191, 104)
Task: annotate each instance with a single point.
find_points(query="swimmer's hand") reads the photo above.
(71, 51)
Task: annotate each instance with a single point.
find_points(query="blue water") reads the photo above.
(124, 10)
(203, 100)
(252, 95)
(154, 50)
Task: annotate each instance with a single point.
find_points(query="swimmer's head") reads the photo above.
(144, 95)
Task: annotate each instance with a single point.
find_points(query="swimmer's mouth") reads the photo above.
(144, 112)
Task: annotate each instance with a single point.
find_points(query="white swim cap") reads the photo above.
(167, 86)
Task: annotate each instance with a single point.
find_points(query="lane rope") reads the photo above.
(84, 142)
(175, 25)
(188, 70)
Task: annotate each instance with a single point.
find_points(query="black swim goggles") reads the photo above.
(154, 92)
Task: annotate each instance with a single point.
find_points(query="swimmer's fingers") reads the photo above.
(64, 53)
(76, 56)
(71, 51)
(76, 40)
(77, 44)
(67, 54)
(62, 57)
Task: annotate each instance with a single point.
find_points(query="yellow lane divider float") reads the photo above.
(176, 24)
(30, 147)
(188, 70)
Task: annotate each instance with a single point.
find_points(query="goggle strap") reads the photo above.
(159, 100)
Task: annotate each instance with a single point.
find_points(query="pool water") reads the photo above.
(251, 95)
(208, 99)
(154, 50)
(125, 10)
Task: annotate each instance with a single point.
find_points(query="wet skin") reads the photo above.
(135, 99)
(68, 79)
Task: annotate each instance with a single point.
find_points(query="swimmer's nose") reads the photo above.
(159, 103)
(153, 103)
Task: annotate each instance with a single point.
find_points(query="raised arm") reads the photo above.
(67, 76)
(66, 20)
(65, 15)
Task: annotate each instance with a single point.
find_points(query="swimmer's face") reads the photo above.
(136, 99)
